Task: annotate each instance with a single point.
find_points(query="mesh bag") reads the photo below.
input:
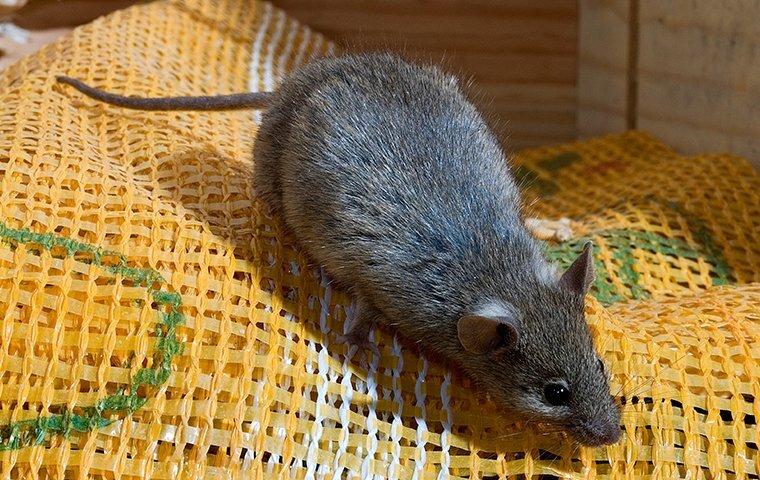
(155, 323)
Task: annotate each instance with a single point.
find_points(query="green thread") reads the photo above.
(558, 162)
(703, 235)
(564, 254)
(26, 433)
(623, 242)
(527, 177)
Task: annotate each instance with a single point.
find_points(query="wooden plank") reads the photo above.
(51, 14)
(699, 75)
(47, 20)
(521, 54)
(11, 52)
(603, 67)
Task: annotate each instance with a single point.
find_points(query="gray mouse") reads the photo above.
(389, 177)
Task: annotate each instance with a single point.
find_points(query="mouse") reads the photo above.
(387, 175)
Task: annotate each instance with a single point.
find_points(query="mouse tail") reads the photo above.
(235, 101)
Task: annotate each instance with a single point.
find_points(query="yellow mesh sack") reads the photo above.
(155, 323)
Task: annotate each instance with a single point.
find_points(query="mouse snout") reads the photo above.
(608, 433)
(598, 432)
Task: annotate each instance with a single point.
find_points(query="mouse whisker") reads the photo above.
(624, 386)
(638, 389)
(508, 435)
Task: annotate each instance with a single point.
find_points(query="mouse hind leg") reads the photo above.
(266, 173)
(270, 152)
(358, 327)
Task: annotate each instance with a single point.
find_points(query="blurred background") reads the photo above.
(545, 72)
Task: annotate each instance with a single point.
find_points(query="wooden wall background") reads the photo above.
(686, 70)
(521, 54)
(547, 71)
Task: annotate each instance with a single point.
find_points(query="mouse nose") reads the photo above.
(604, 433)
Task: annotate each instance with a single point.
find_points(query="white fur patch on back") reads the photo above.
(547, 273)
(496, 308)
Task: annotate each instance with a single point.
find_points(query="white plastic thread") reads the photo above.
(347, 395)
(269, 67)
(371, 423)
(298, 61)
(446, 404)
(276, 459)
(282, 60)
(398, 400)
(323, 368)
(255, 81)
(419, 392)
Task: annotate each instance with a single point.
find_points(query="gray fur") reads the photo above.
(389, 177)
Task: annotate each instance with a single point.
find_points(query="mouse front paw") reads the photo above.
(359, 323)
(359, 344)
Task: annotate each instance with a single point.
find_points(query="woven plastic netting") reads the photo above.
(155, 323)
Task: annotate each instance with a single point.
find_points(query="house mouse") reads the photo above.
(389, 177)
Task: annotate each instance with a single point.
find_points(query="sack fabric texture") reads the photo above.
(155, 322)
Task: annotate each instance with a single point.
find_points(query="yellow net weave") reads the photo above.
(154, 323)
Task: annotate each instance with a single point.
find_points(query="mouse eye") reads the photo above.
(601, 365)
(556, 394)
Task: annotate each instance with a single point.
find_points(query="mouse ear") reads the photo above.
(481, 334)
(580, 275)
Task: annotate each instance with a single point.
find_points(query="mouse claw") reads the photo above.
(359, 346)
